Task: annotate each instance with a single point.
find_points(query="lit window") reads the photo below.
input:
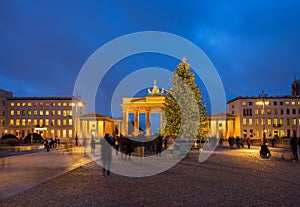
(64, 133)
(288, 121)
(29, 104)
(64, 122)
(70, 122)
(47, 112)
(12, 112)
(58, 112)
(269, 122)
(269, 111)
(47, 104)
(41, 112)
(47, 122)
(24, 104)
(244, 103)
(58, 104)
(262, 111)
(41, 122)
(35, 122)
(294, 121)
(256, 111)
(23, 112)
(29, 112)
(53, 104)
(275, 111)
(18, 112)
(244, 121)
(256, 121)
(250, 122)
(17, 122)
(71, 104)
(293, 103)
(287, 103)
(298, 103)
(41, 104)
(58, 122)
(11, 122)
(70, 133)
(263, 121)
(12, 104)
(275, 121)
(64, 104)
(35, 112)
(281, 121)
(58, 133)
(52, 122)
(35, 104)
(18, 104)
(52, 112)
(23, 122)
(29, 122)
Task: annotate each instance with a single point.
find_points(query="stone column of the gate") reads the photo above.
(147, 123)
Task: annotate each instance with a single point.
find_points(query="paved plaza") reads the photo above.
(229, 177)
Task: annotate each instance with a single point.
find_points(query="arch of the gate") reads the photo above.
(137, 106)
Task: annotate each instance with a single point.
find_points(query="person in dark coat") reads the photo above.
(106, 154)
(159, 143)
(294, 143)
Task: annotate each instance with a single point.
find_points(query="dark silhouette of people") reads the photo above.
(159, 143)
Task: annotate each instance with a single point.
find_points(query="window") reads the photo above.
(275, 111)
(263, 122)
(71, 104)
(269, 122)
(29, 122)
(53, 104)
(250, 122)
(281, 103)
(269, 111)
(287, 111)
(281, 111)
(29, 112)
(250, 103)
(59, 112)
(293, 111)
(64, 122)
(281, 121)
(12, 104)
(293, 103)
(67, 112)
(262, 111)
(58, 122)
(52, 122)
(244, 103)
(64, 104)
(70, 133)
(256, 121)
(23, 112)
(18, 112)
(23, 122)
(71, 122)
(41, 122)
(17, 122)
(275, 120)
(29, 104)
(64, 133)
(58, 104)
(47, 112)
(275, 103)
(41, 112)
(12, 112)
(35, 104)
(256, 111)
(11, 122)
(47, 104)
(35, 112)
(18, 104)
(24, 104)
(288, 121)
(52, 112)
(287, 103)
(35, 122)
(46, 122)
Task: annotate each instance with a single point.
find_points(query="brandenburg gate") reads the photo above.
(152, 103)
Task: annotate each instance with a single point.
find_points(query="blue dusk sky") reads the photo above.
(254, 45)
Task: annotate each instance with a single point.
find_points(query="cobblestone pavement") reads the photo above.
(230, 177)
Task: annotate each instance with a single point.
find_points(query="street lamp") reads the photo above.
(262, 102)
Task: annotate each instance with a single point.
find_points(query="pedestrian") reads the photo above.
(237, 141)
(248, 141)
(117, 145)
(93, 145)
(294, 143)
(158, 142)
(106, 154)
(140, 146)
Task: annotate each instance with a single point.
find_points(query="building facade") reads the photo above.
(277, 116)
(3, 110)
(49, 116)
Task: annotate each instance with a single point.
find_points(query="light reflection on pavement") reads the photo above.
(22, 172)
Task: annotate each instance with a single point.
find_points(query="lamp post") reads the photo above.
(262, 102)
